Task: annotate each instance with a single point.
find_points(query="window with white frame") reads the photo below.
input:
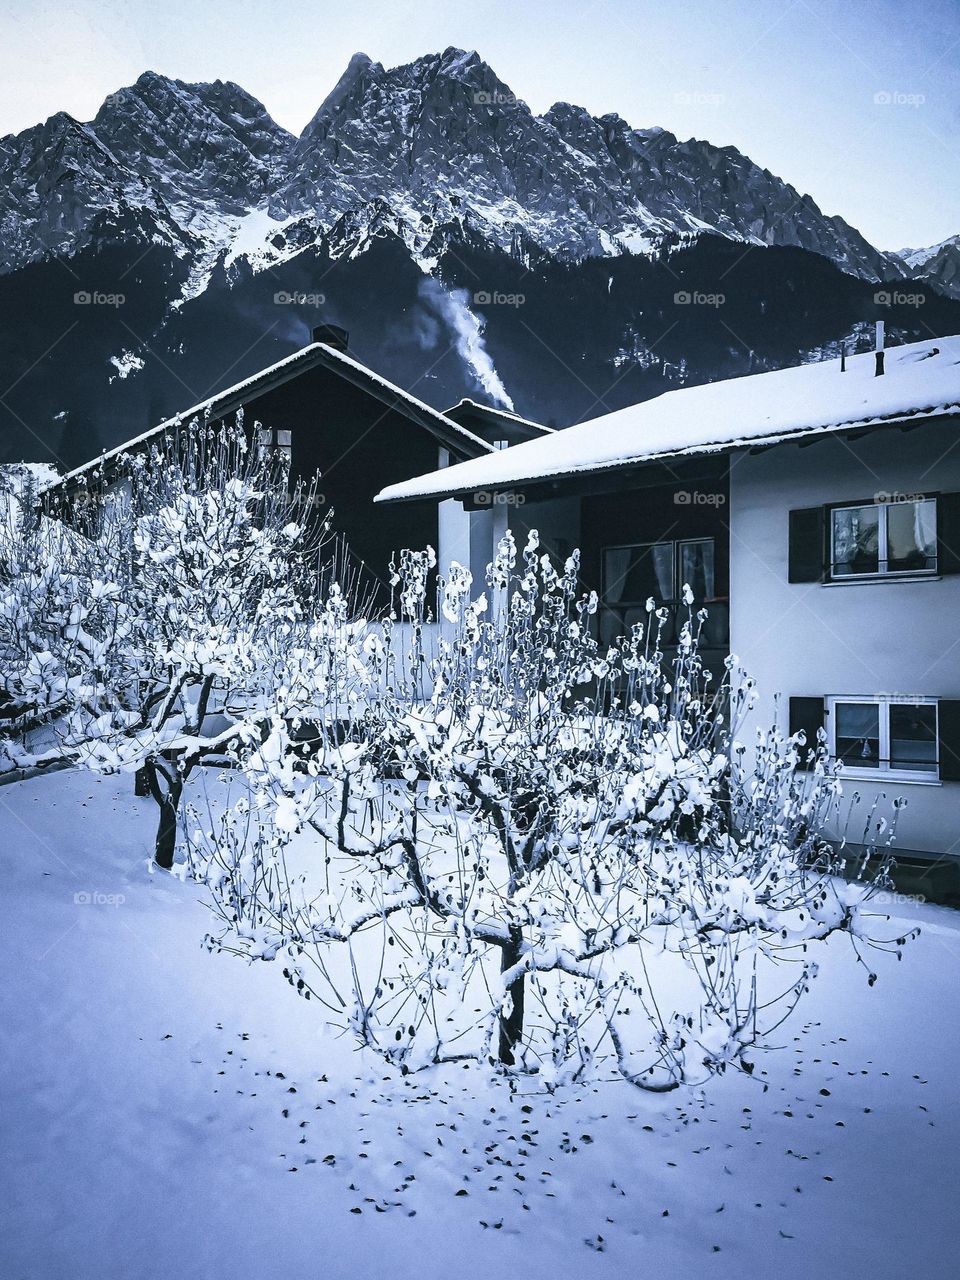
(893, 737)
(883, 539)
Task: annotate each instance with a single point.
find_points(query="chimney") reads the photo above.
(878, 372)
(331, 335)
(843, 357)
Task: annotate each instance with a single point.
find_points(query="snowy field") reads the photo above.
(171, 1113)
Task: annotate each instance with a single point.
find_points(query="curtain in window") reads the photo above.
(856, 540)
(696, 569)
(911, 534)
(662, 556)
(925, 527)
(616, 563)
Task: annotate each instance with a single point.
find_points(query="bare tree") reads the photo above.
(522, 849)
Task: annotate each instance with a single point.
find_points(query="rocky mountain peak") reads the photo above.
(360, 70)
(212, 142)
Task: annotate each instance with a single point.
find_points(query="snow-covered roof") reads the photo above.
(308, 357)
(921, 379)
(468, 405)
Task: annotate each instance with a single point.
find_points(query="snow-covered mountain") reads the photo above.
(434, 147)
(563, 262)
(939, 265)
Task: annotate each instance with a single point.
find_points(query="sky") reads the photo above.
(855, 103)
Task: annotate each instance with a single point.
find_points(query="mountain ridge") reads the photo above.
(938, 265)
(439, 139)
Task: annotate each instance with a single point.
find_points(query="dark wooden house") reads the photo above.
(337, 417)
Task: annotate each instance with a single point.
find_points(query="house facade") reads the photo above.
(815, 513)
(846, 602)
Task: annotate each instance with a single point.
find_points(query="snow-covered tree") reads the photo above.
(156, 614)
(59, 608)
(531, 851)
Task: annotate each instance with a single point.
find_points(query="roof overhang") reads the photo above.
(668, 464)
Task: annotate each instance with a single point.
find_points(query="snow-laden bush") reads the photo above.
(533, 852)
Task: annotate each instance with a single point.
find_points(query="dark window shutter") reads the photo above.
(807, 715)
(948, 733)
(806, 545)
(948, 533)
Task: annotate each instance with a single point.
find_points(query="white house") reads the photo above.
(815, 511)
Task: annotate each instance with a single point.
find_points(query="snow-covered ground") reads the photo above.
(167, 1112)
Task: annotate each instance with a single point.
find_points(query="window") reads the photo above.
(633, 574)
(276, 440)
(890, 736)
(880, 539)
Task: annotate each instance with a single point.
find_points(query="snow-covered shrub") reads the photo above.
(532, 851)
(226, 565)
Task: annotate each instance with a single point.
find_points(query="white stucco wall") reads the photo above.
(453, 535)
(860, 639)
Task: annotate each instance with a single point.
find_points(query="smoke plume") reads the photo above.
(467, 330)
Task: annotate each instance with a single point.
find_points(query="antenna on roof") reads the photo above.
(878, 372)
